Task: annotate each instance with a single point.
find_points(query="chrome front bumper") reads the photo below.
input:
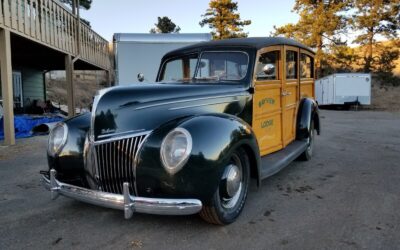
(126, 202)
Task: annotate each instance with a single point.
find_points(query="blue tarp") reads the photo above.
(25, 123)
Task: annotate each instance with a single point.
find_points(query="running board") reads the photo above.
(273, 163)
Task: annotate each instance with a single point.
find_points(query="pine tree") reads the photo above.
(373, 18)
(223, 19)
(320, 25)
(165, 25)
(86, 4)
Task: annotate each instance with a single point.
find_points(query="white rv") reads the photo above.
(140, 54)
(344, 89)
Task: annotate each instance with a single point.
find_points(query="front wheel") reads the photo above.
(228, 201)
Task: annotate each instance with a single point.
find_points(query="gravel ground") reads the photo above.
(346, 197)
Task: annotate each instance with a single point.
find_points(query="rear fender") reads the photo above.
(308, 113)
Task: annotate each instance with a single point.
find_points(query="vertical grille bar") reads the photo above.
(114, 170)
(116, 163)
(115, 153)
(120, 157)
(132, 159)
(110, 166)
(132, 148)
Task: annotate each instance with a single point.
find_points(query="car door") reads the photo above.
(267, 99)
(290, 93)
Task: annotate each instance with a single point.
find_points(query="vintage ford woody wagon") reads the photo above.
(221, 113)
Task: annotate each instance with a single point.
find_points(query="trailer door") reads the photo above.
(327, 91)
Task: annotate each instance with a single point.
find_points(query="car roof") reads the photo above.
(251, 42)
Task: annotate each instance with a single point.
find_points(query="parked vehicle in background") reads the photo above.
(220, 113)
(344, 89)
(136, 54)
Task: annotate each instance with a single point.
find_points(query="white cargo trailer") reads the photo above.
(343, 89)
(141, 53)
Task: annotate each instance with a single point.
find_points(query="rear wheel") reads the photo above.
(307, 154)
(228, 201)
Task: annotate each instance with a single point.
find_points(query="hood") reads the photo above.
(144, 107)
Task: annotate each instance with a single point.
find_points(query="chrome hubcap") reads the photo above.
(232, 180)
(232, 183)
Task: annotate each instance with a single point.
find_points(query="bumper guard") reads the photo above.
(125, 201)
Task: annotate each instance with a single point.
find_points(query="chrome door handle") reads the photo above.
(285, 93)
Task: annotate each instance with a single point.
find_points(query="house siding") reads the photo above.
(32, 85)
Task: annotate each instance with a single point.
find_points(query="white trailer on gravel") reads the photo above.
(140, 54)
(344, 89)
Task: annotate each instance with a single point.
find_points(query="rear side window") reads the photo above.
(291, 64)
(306, 66)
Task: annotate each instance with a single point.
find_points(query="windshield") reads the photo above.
(212, 66)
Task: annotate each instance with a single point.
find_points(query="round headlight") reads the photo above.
(175, 149)
(57, 138)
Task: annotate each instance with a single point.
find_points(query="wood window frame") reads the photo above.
(278, 48)
(294, 49)
(308, 53)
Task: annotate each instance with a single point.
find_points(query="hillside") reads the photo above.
(86, 85)
(389, 44)
(385, 98)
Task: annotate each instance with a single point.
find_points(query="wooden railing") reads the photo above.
(49, 22)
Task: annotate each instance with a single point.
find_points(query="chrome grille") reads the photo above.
(115, 162)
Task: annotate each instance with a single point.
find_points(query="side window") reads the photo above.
(173, 71)
(291, 64)
(180, 69)
(268, 66)
(306, 66)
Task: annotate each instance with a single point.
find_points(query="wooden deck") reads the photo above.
(50, 23)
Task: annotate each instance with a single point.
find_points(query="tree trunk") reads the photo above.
(318, 57)
(368, 58)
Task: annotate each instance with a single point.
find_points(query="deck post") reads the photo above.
(109, 78)
(69, 73)
(7, 87)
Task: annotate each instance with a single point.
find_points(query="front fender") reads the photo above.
(69, 163)
(214, 138)
(308, 112)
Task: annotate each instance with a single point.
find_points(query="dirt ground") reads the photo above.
(346, 197)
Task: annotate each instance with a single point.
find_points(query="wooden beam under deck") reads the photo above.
(7, 87)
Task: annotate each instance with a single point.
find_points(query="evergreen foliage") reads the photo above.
(223, 19)
(165, 25)
(324, 23)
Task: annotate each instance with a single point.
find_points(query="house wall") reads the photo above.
(32, 85)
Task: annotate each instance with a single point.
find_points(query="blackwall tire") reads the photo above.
(223, 208)
(308, 153)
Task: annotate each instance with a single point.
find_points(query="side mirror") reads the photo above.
(140, 77)
(202, 64)
(269, 69)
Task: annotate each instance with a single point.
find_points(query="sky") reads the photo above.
(138, 16)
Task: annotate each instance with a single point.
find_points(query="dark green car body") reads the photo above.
(217, 115)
